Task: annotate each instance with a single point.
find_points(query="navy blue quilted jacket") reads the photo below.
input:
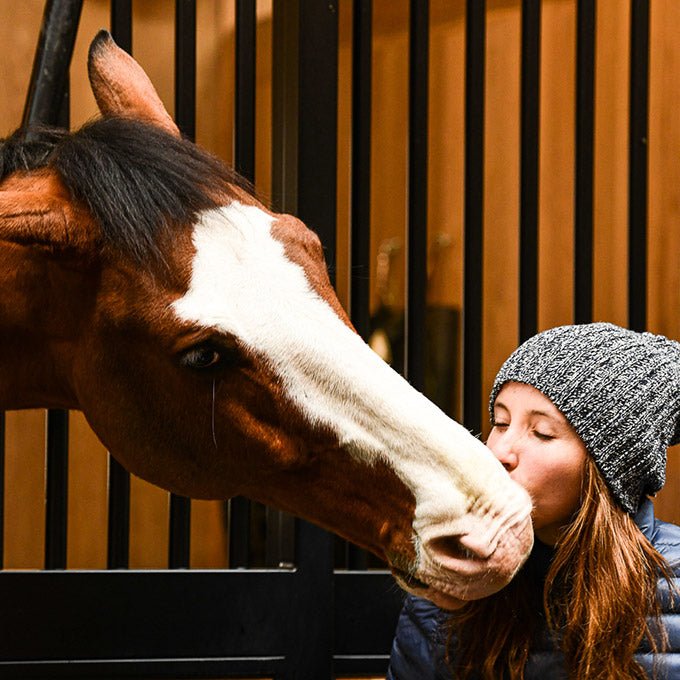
(419, 644)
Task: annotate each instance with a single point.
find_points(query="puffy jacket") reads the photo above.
(419, 645)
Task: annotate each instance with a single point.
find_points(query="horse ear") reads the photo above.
(40, 215)
(121, 87)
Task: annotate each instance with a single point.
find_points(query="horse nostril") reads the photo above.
(450, 547)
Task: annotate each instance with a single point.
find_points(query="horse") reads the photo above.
(144, 284)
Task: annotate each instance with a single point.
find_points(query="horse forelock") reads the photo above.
(138, 182)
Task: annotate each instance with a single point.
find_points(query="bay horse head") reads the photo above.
(144, 284)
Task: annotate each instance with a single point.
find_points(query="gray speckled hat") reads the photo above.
(619, 389)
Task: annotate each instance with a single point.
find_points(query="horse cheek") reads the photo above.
(148, 417)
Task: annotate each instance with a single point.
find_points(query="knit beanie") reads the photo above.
(620, 391)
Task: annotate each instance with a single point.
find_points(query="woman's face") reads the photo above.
(542, 452)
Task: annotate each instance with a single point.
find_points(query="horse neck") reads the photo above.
(43, 302)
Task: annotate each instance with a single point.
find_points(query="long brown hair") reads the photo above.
(599, 601)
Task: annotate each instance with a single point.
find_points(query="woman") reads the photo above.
(581, 417)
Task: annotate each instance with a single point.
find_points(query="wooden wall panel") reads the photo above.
(19, 29)
(87, 507)
(556, 177)
(610, 243)
(664, 170)
(389, 143)
(24, 490)
(664, 204)
(501, 190)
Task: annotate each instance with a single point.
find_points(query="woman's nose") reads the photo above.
(504, 450)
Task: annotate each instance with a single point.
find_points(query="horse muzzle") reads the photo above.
(457, 567)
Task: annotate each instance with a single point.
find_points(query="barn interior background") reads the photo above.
(153, 45)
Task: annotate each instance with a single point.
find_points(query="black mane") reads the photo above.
(137, 180)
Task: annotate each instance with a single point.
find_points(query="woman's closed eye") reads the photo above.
(543, 436)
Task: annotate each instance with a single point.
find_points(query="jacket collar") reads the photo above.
(644, 518)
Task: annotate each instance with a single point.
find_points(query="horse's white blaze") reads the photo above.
(243, 283)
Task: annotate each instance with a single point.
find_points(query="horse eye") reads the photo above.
(201, 357)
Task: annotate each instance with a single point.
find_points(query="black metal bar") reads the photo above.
(356, 558)
(317, 121)
(362, 37)
(118, 544)
(585, 126)
(360, 236)
(475, 31)
(179, 544)
(305, 36)
(2, 490)
(121, 23)
(419, 48)
(529, 187)
(47, 104)
(49, 77)
(244, 146)
(185, 67)
(637, 177)
(279, 539)
(239, 533)
(56, 489)
(134, 669)
(285, 56)
(244, 162)
(315, 599)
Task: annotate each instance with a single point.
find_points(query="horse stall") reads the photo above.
(476, 171)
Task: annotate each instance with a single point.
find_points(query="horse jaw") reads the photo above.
(471, 523)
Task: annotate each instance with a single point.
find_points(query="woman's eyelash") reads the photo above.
(543, 436)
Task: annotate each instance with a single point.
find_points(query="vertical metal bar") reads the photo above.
(47, 104)
(305, 174)
(244, 162)
(419, 48)
(118, 544)
(279, 539)
(529, 188)
(304, 184)
(362, 37)
(56, 447)
(314, 562)
(56, 489)
(244, 147)
(185, 116)
(360, 239)
(637, 173)
(317, 207)
(583, 209)
(239, 533)
(49, 77)
(474, 213)
(317, 121)
(285, 105)
(185, 67)
(2, 490)
(121, 23)
(179, 545)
